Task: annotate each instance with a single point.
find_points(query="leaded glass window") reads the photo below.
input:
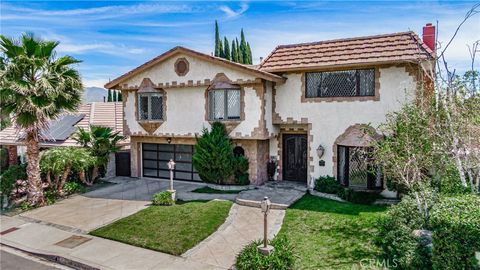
(345, 83)
(224, 104)
(150, 106)
(355, 169)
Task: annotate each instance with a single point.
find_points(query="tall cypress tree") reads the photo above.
(218, 42)
(243, 48)
(109, 97)
(226, 49)
(119, 96)
(239, 53)
(249, 52)
(114, 96)
(234, 57)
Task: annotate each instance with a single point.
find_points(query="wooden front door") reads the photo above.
(295, 157)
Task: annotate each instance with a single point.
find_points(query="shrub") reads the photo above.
(282, 258)
(358, 196)
(9, 177)
(241, 170)
(73, 187)
(328, 184)
(396, 240)
(3, 159)
(163, 198)
(456, 232)
(213, 158)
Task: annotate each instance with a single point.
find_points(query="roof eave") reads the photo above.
(259, 73)
(320, 67)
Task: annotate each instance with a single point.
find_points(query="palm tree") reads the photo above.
(101, 141)
(36, 87)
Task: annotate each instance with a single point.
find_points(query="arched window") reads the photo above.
(238, 151)
(150, 102)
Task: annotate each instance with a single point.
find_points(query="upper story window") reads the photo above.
(150, 106)
(345, 83)
(224, 104)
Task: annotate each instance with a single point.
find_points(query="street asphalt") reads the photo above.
(10, 261)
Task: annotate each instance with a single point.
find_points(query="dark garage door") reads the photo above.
(156, 157)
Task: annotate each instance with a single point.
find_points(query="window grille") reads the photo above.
(355, 168)
(345, 83)
(150, 106)
(224, 104)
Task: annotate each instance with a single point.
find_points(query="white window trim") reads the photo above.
(211, 114)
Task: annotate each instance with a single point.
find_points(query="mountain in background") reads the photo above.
(94, 94)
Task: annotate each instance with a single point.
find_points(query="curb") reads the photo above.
(55, 258)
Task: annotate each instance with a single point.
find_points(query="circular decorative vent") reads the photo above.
(181, 66)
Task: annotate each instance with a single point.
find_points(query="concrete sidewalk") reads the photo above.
(88, 250)
(243, 225)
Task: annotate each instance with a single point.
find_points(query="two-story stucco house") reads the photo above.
(304, 106)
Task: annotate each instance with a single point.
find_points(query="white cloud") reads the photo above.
(230, 13)
(14, 12)
(94, 82)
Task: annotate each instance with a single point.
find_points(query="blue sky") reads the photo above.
(112, 37)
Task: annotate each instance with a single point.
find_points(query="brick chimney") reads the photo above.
(429, 36)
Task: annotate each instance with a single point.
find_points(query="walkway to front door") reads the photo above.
(295, 157)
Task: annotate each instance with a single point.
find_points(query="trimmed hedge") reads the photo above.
(359, 196)
(328, 184)
(455, 223)
(282, 258)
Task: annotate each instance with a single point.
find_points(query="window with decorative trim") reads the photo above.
(344, 83)
(150, 106)
(224, 104)
(355, 170)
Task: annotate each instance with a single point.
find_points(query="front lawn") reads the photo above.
(171, 229)
(331, 235)
(210, 190)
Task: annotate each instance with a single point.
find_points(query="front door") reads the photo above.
(295, 157)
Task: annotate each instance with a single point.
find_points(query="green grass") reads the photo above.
(171, 229)
(331, 235)
(215, 191)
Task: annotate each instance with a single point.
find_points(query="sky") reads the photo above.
(113, 37)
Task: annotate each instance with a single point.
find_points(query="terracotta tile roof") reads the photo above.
(108, 114)
(246, 68)
(389, 48)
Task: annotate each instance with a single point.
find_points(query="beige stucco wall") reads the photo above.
(198, 70)
(330, 119)
(185, 113)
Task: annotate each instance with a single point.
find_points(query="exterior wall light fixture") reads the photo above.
(320, 151)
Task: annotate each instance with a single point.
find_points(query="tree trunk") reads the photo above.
(63, 179)
(34, 189)
(94, 173)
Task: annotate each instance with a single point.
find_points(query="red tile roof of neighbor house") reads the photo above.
(106, 114)
(380, 49)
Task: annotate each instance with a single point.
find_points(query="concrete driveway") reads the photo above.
(86, 212)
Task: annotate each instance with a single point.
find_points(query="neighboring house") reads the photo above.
(59, 132)
(303, 99)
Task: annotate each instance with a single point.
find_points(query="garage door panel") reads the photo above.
(183, 157)
(183, 167)
(166, 156)
(156, 157)
(151, 164)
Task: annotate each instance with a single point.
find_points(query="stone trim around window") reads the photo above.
(356, 136)
(229, 124)
(182, 66)
(375, 97)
